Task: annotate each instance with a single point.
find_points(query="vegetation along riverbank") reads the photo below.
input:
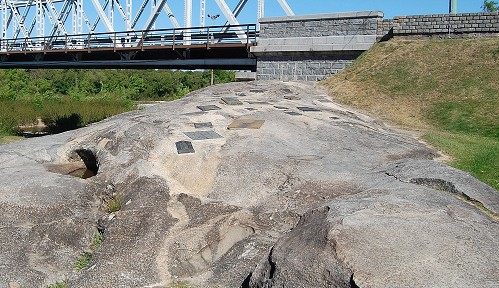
(68, 99)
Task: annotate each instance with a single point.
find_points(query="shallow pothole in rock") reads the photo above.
(83, 173)
(82, 164)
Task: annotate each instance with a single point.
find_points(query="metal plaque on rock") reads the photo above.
(308, 109)
(293, 113)
(203, 125)
(257, 90)
(258, 102)
(184, 147)
(203, 135)
(208, 107)
(231, 101)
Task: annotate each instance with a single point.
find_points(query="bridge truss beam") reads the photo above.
(25, 20)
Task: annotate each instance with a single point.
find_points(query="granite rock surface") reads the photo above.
(278, 187)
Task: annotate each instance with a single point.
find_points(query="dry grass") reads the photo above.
(447, 89)
(8, 139)
(399, 80)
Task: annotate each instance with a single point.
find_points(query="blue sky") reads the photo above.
(391, 8)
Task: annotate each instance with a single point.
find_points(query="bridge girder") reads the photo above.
(19, 18)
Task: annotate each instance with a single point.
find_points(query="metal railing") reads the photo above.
(140, 40)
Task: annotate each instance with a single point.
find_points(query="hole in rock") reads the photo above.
(91, 165)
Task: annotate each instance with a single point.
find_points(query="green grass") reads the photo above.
(98, 239)
(22, 112)
(114, 204)
(476, 154)
(86, 257)
(448, 89)
(83, 261)
(62, 284)
(8, 138)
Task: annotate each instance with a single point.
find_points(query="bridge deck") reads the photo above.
(169, 48)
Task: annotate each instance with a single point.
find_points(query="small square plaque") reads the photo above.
(203, 135)
(184, 147)
(231, 101)
(208, 107)
(308, 109)
(258, 102)
(257, 90)
(203, 125)
(293, 113)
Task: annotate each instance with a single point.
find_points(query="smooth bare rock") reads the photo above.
(288, 197)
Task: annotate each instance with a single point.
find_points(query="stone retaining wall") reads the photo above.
(303, 66)
(464, 25)
(313, 47)
(337, 24)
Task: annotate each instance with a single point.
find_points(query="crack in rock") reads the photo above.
(306, 256)
(446, 186)
(449, 187)
(272, 264)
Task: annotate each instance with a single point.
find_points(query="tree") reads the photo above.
(490, 6)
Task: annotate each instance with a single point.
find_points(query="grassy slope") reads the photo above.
(8, 139)
(448, 89)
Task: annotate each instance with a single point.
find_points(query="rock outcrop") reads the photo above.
(260, 184)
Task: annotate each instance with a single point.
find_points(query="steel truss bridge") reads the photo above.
(127, 34)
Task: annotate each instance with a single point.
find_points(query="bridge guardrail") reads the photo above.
(174, 37)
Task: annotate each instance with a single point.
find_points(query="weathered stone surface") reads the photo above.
(246, 124)
(327, 199)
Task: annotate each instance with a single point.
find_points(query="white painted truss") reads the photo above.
(40, 22)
